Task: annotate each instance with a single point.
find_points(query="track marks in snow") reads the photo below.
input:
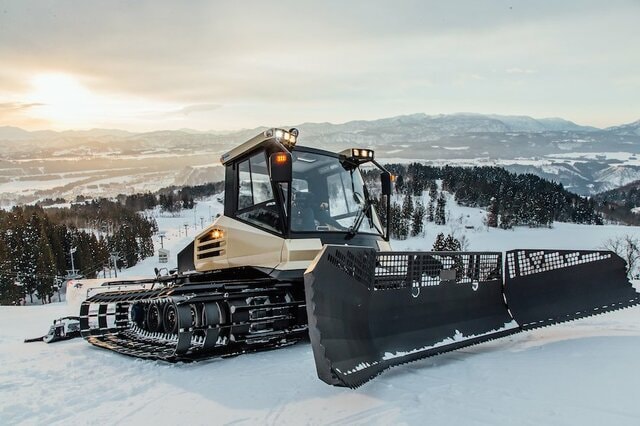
(381, 414)
(581, 372)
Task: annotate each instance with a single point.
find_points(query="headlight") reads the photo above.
(356, 156)
(360, 154)
(286, 138)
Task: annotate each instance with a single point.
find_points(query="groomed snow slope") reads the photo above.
(583, 372)
(580, 373)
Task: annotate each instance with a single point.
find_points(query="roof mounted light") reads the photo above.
(286, 138)
(356, 156)
(359, 154)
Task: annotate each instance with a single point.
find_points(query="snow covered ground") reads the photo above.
(579, 373)
(583, 372)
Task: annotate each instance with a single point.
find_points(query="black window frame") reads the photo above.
(277, 197)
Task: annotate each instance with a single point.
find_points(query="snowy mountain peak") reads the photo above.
(14, 133)
(626, 129)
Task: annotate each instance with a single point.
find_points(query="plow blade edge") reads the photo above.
(369, 310)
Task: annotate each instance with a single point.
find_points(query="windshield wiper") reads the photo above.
(353, 230)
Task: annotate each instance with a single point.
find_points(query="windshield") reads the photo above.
(327, 197)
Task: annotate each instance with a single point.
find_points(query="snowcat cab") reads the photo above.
(300, 252)
(284, 202)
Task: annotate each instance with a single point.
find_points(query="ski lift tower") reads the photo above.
(114, 257)
(72, 273)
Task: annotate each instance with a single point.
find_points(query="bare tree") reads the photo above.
(628, 248)
(457, 231)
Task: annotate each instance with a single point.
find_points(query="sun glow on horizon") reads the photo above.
(65, 103)
(61, 99)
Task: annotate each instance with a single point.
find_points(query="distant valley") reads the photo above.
(47, 164)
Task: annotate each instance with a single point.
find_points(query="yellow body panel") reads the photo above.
(228, 243)
(240, 245)
(298, 253)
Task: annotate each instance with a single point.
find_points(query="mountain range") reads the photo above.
(585, 159)
(442, 123)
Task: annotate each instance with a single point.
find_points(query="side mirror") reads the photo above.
(385, 180)
(280, 167)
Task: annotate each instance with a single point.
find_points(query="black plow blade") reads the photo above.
(546, 287)
(369, 311)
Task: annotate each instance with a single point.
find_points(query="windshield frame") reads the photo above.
(347, 219)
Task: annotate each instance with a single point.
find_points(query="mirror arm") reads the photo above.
(387, 196)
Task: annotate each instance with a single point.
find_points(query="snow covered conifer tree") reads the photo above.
(27, 263)
(448, 243)
(45, 269)
(407, 207)
(10, 293)
(431, 210)
(492, 215)
(433, 189)
(399, 183)
(396, 220)
(506, 220)
(417, 225)
(451, 243)
(440, 215)
(438, 244)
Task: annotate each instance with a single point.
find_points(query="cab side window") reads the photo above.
(255, 200)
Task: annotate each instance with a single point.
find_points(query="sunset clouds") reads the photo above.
(144, 65)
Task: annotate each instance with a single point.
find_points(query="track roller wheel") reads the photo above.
(211, 314)
(170, 318)
(154, 318)
(196, 314)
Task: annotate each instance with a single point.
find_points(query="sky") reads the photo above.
(223, 65)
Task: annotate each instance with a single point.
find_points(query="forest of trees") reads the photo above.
(618, 204)
(510, 199)
(518, 199)
(170, 199)
(35, 243)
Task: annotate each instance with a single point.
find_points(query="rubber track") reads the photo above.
(130, 340)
